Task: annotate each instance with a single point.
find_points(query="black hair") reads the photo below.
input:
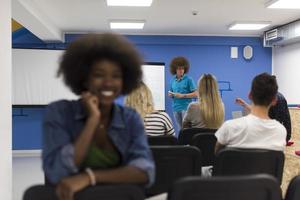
(264, 89)
(79, 57)
(179, 62)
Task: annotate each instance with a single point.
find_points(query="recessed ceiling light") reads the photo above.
(127, 24)
(284, 4)
(248, 25)
(144, 3)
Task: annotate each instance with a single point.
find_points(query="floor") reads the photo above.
(292, 161)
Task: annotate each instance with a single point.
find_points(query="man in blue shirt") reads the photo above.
(182, 88)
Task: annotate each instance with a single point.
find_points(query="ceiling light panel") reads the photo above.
(140, 3)
(126, 25)
(248, 26)
(284, 4)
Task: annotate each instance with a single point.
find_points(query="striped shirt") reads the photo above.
(158, 123)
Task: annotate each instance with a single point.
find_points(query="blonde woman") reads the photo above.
(156, 122)
(208, 112)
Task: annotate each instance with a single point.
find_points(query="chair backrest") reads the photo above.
(232, 161)
(162, 140)
(206, 143)
(39, 192)
(293, 191)
(172, 163)
(251, 187)
(98, 192)
(186, 134)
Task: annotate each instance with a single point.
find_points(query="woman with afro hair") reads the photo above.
(92, 140)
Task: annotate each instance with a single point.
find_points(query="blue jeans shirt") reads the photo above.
(62, 125)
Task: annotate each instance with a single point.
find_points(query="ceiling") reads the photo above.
(50, 19)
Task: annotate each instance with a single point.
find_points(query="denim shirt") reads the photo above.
(184, 85)
(63, 122)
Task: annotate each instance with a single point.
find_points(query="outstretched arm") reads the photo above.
(243, 103)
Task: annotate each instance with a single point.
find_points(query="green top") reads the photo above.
(97, 158)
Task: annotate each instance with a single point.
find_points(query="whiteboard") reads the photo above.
(35, 82)
(286, 68)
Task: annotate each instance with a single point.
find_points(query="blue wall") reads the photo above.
(206, 55)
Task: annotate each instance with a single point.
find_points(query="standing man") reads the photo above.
(182, 88)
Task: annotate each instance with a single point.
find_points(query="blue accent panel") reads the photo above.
(206, 55)
(27, 128)
(23, 36)
(214, 59)
(184, 40)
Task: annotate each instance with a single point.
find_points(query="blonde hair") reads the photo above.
(141, 100)
(210, 102)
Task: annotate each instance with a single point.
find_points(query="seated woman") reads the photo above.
(208, 112)
(92, 140)
(156, 122)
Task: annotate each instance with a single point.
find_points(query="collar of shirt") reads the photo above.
(116, 122)
(179, 79)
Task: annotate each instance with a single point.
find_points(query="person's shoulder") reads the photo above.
(280, 95)
(278, 125)
(62, 109)
(160, 112)
(193, 105)
(62, 104)
(236, 123)
(189, 78)
(173, 78)
(280, 98)
(126, 111)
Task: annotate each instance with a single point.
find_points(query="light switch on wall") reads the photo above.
(234, 52)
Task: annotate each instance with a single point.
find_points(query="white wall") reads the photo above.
(5, 100)
(27, 171)
(286, 67)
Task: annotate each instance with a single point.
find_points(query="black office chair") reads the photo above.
(293, 191)
(98, 192)
(172, 163)
(232, 161)
(186, 135)
(162, 140)
(251, 187)
(206, 143)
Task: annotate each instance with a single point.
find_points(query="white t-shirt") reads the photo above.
(252, 132)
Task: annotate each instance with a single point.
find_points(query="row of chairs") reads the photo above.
(251, 187)
(175, 162)
(185, 136)
(202, 138)
(258, 187)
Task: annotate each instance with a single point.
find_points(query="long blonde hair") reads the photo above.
(141, 100)
(210, 102)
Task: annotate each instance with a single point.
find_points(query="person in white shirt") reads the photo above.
(255, 130)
